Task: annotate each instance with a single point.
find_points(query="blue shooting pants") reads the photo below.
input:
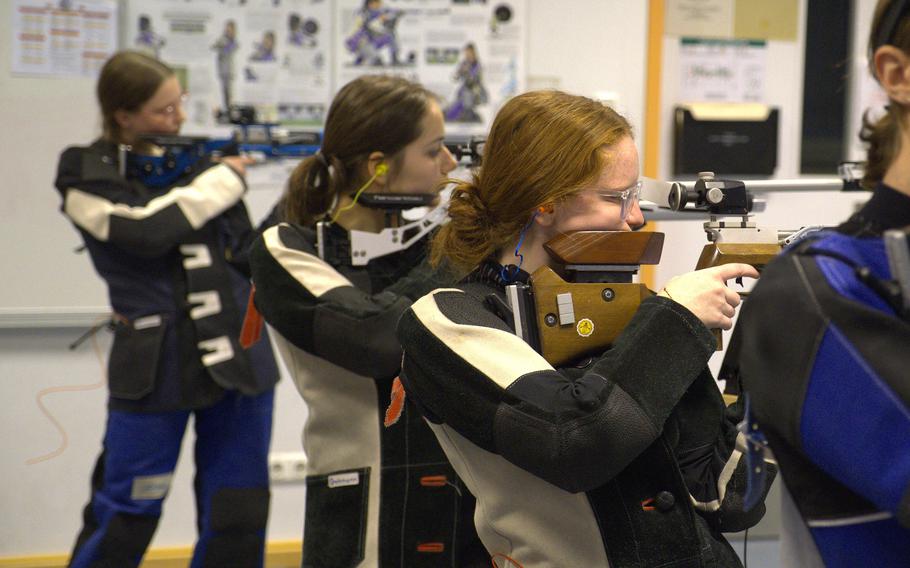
(133, 474)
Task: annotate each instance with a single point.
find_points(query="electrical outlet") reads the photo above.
(287, 467)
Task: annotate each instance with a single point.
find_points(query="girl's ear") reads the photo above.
(124, 118)
(379, 167)
(544, 216)
(892, 68)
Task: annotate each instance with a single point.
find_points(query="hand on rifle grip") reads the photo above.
(705, 293)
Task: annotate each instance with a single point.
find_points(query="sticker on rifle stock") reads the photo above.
(585, 327)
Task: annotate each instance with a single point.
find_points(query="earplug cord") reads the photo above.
(509, 275)
(380, 169)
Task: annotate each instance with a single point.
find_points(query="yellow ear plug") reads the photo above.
(381, 168)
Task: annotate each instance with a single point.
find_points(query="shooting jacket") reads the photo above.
(174, 261)
(376, 496)
(626, 459)
(825, 361)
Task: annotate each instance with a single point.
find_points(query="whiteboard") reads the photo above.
(42, 276)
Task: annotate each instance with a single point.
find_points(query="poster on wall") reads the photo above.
(469, 52)
(722, 70)
(272, 56)
(65, 38)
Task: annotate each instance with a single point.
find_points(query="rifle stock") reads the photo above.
(601, 312)
(583, 312)
(754, 254)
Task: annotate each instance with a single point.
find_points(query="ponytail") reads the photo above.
(313, 189)
(470, 234)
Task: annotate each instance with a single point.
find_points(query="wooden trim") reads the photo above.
(651, 165)
(278, 554)
(652, 88)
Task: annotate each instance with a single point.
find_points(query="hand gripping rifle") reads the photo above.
(581, 309)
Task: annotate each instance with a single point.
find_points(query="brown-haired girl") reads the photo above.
(171, 256)
(376, 496)
(624, 459)
(824, 354)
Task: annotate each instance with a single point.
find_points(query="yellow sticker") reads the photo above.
(585, 327)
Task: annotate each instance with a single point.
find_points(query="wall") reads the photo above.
(584, 46)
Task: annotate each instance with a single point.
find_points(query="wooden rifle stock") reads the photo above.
(755, 254)
(583, 312)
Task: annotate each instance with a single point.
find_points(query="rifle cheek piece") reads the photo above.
(568, 316)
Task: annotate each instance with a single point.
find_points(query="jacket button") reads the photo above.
(664, 501)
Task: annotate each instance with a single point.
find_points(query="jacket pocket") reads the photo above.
(334, 530)
(133, 364)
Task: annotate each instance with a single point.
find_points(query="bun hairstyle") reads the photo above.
(543, 147)
(890, 26)
(127, 80)
(373, 113)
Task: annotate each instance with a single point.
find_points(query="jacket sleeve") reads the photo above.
(462, 366)
(835, 387)
(109, 209)
(241, 234)
(320, 311)
(711, 453)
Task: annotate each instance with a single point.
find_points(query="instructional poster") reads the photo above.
(62, 37)
(272, 56)
(722, 70)
(469, 52)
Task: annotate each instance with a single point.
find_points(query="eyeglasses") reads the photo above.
(170, 109)
(626, 197)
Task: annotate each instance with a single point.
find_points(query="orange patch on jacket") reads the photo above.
(252, 323)
(396, 406)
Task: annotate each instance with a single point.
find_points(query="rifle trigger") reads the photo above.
(739, 280)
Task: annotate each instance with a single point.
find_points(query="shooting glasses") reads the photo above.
(626, 197)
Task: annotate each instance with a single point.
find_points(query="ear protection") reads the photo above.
(545, 209)
(381, 169)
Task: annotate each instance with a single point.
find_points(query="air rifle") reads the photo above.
(182, 155)
(467, 150)
(733, 235)
(581, 309)
(362, 246)
(739, 240)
